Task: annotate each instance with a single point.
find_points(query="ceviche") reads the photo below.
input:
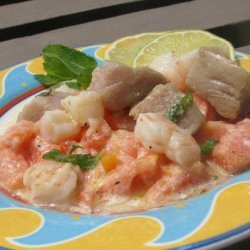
(113, 138)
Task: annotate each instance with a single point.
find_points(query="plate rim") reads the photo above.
(222, 240)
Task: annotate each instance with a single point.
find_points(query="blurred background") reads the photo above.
(27, 26)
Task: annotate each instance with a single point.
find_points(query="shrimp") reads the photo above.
(51, 182)
(87, 104)
(168, 65)
(160, 135)
(175, 68)
(56, 126)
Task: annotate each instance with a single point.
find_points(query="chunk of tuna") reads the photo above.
(122, 86)
(220, 81)
(35, 109)
(161, 98)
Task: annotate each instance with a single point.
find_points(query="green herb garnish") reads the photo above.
(177, 110)
(208, 146)
(85, 161)
(65, 64)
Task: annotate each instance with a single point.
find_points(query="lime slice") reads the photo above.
(181, 42)
(125, 49)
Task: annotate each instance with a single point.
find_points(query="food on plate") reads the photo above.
(162, 99)
(181, 42)
(35, 109)
(114, 139)
(176, 68)
(114, 80)
(222, 83)
(160, 135)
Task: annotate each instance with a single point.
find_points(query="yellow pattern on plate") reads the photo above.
(137, 232)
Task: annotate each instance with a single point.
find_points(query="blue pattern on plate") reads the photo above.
(57, 224)
(61, 226)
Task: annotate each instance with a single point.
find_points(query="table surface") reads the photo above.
(27, 26)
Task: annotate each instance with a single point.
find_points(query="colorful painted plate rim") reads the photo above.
(184, 225)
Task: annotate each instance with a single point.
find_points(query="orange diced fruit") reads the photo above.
(109, 161)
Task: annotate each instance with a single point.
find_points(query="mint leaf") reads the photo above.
(47, 80)
(73, 85)
(84, 161)
(65, 64)
(84, 79)
(180, 107)
(208, 146)
(73, 59)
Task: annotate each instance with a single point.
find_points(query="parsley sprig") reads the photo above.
(208, 146)
(180, 107)
(84, 161)
(63, 64)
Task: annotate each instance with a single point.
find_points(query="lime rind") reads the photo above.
(186, 41)
(126, 48)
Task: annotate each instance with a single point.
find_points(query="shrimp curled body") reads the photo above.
(51, 182)
(160, 135)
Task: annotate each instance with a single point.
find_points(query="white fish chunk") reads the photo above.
(122, 86)
(161, 98)
(35, 109)
(223, 83)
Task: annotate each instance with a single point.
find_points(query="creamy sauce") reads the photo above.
(115, 204)
(121, 183)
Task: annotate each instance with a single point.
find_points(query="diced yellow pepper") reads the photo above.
(109, 161)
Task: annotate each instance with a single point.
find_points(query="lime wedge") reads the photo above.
(125, 49)
(181, 42)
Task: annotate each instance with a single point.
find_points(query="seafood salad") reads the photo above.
(122, 139)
